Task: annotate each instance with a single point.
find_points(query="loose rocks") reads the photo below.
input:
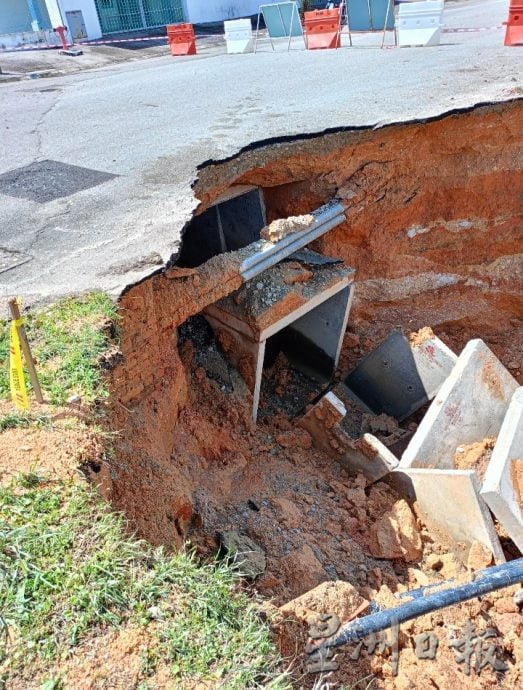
(396, 534)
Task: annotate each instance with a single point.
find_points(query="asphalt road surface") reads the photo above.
(148, 125)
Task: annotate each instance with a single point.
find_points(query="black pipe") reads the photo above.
(488, 580)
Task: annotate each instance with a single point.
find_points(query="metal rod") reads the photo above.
(346, 9)
(290, 27)
(283, 26)
(26, 349)
(257, 30)
(488, 580)
(325, 218)
(386, 22)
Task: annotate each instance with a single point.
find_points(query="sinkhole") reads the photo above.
(377, 234)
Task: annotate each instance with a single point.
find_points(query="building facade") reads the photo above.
(203, 11)
(90, 19)
(26, 21)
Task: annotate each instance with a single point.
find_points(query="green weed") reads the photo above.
(66, 339)
(16, 420)
(69, 568)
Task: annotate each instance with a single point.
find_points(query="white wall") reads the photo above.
(55, 15)
(202, 11)
(88, 10)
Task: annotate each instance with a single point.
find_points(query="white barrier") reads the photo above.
(419, 23)
(238, 36)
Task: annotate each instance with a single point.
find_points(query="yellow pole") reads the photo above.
(26, 349)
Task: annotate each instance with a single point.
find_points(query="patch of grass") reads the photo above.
(212, 635)
(16, 420)
(68, 568)
(66, 340)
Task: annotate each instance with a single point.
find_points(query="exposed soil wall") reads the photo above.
(434, 220)
(434, 229)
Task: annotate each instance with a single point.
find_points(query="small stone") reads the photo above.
(155, 613)
(480, 556)
(518, 597)
(506, 605)
(259, 286)
(302, 565)
(375, 578)
(74, 400)
(290, 515)
(248, 556)
(419, 576)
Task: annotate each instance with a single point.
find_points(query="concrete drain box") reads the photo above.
(401, 375)
(305, 307)
(502, 487)
(469, 407)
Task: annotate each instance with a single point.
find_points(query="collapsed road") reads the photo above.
(248, 416)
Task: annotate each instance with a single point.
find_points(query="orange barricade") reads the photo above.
(322, 29)
(181, 39)
(514, 32)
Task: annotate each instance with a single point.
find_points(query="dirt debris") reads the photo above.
(419, 337)
(495, 618)
(285, 390)
(282, 227)
(396, 534)
(339, 598)
(57, 447)
(315, 525)
(517, 478)
(475, 456)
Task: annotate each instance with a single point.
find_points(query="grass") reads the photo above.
(66, 340)
(23, 420)
(69, 568)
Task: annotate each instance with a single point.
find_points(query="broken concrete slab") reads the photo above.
(367, 454)
(503, 483)
(469, 407)
(448, 502)
(322, 417)
(402, 373)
